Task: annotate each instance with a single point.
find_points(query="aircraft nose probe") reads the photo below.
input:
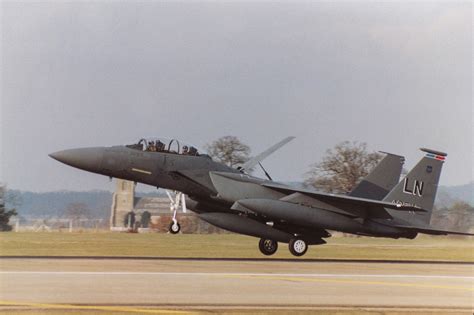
(88, 159)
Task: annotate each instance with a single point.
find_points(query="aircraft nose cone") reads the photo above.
(88, 159)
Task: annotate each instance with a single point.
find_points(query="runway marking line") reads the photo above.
(414, 285)
(93, 307)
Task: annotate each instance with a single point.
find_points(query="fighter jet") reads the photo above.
(183, 170)
(274, 212)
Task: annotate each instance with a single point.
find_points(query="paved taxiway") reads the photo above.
(235, 283)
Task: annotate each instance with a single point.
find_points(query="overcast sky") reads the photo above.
(395, 75)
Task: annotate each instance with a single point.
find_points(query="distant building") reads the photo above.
(124, 201)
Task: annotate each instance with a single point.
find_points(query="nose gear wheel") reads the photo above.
(174, 227)
(177, 201)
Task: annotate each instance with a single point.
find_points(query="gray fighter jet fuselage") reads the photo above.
(162, 163)
(170, 168)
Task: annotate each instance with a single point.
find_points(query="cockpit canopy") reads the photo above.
(164, 145)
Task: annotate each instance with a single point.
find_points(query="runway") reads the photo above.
(195, 284)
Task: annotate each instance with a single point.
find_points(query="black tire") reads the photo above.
(174, 228)
(298, 247)
(267, 247)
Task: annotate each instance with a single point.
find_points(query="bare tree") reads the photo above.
(229, 150)
(342, 167)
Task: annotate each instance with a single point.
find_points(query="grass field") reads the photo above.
(227, 246)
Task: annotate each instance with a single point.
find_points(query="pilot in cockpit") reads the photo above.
(160, 146)
(151, 146)
(185, 150)
(192, 151)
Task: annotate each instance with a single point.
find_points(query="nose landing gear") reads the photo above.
(175, 203)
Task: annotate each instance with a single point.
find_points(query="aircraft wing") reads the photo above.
(333, 198)
(257, 159)
(431, 230)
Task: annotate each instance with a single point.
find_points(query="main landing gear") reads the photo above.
(176, 201)
(298, 247)
(267, 247)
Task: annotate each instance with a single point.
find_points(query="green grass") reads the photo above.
(226, 246)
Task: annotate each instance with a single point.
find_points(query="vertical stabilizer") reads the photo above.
(419, 187)
(381, 180)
